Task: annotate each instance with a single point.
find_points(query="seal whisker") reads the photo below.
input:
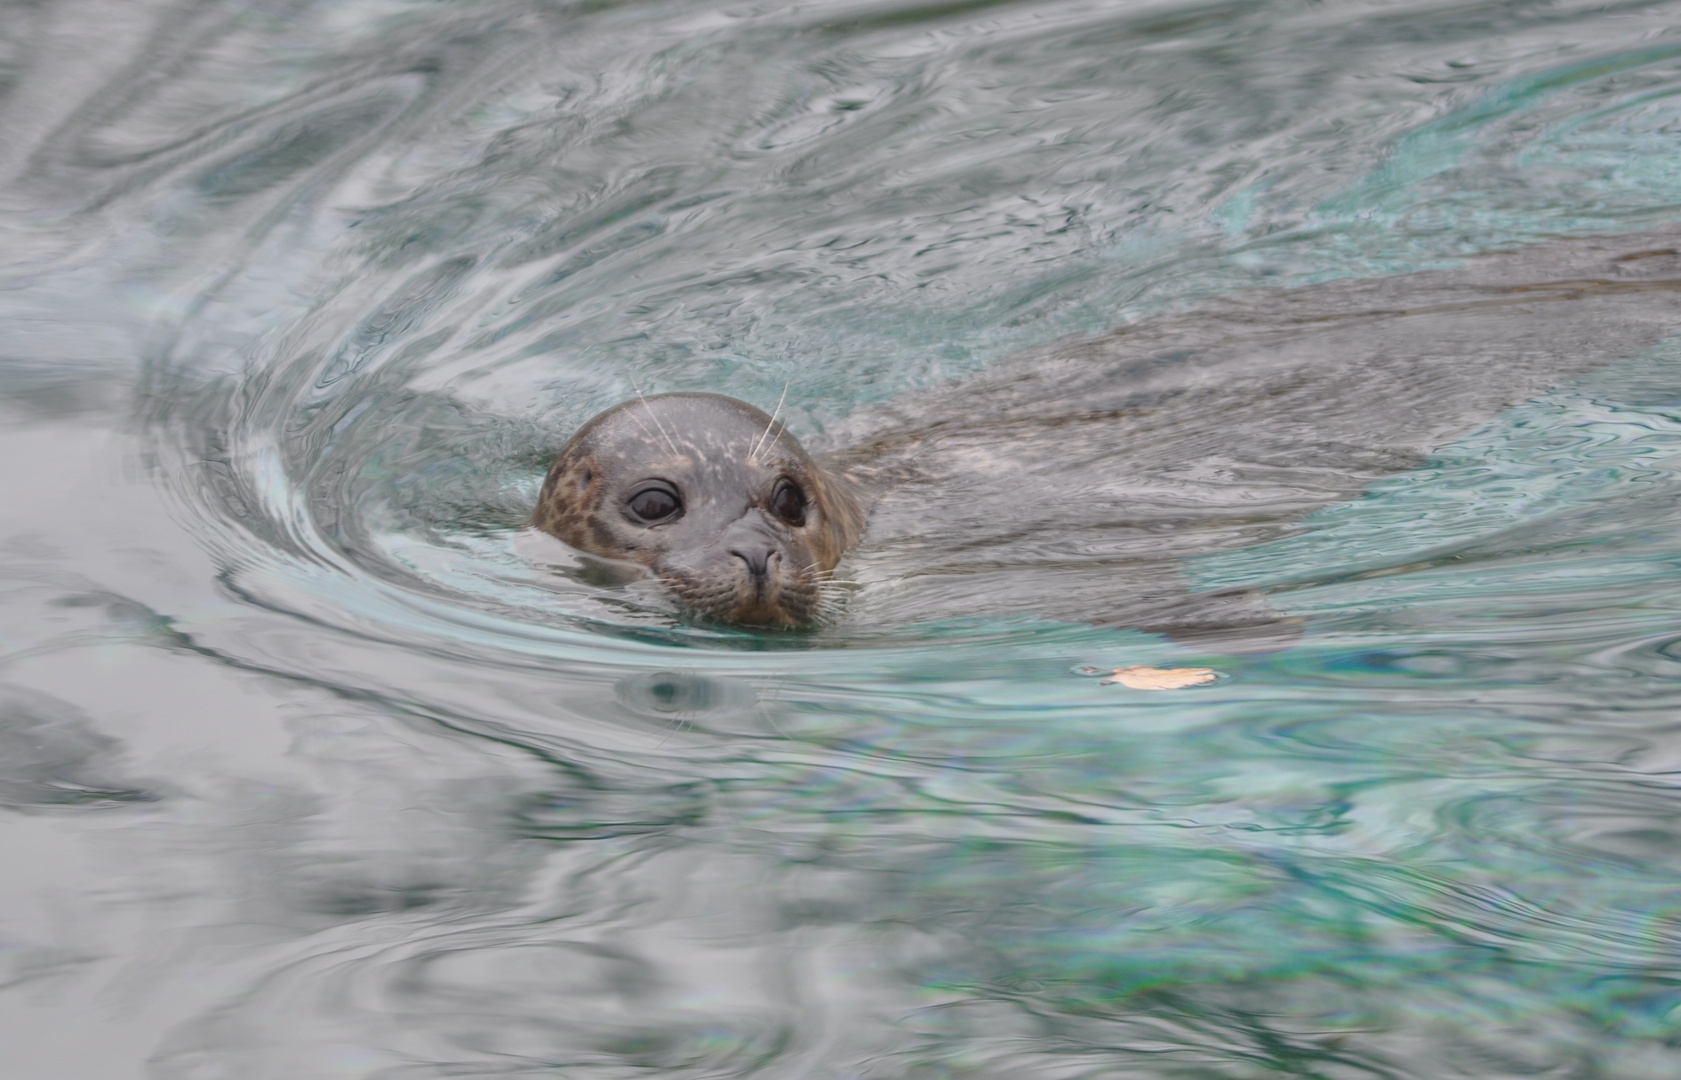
(645, 408)
(761, 707)
(827, 610)
(644, 427)
(670, 445)
(754, 453)
(674, 726)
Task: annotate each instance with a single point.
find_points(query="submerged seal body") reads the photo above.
(1078, 481)
(713, 498)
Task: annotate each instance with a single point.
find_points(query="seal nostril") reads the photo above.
(757, 560)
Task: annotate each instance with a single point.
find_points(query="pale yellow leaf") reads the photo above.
(1155, 678)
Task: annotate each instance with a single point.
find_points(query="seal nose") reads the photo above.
(757, 557)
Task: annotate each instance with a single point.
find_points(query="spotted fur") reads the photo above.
(725, 458)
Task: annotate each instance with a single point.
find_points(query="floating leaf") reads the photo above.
(1154, 678)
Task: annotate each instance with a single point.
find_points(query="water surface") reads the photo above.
(310, 766)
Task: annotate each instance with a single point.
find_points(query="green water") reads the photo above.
(309, 769)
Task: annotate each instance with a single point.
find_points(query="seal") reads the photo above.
(712, 497)
(1079, 481)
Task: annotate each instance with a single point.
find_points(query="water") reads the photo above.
(312, 766)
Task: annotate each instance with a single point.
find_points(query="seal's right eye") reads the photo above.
(653, 505)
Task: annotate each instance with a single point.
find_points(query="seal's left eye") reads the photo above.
(788, 503)
(654, 505)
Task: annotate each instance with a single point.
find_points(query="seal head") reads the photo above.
(713, 497)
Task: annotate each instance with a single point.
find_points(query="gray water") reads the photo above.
(315, 762)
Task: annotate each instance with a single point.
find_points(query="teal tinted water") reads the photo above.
(310, 768)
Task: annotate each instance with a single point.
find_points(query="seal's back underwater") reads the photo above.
(1071, 482)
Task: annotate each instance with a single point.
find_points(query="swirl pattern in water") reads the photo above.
(1159, 332)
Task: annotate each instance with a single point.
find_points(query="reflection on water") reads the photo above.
(314, 762)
